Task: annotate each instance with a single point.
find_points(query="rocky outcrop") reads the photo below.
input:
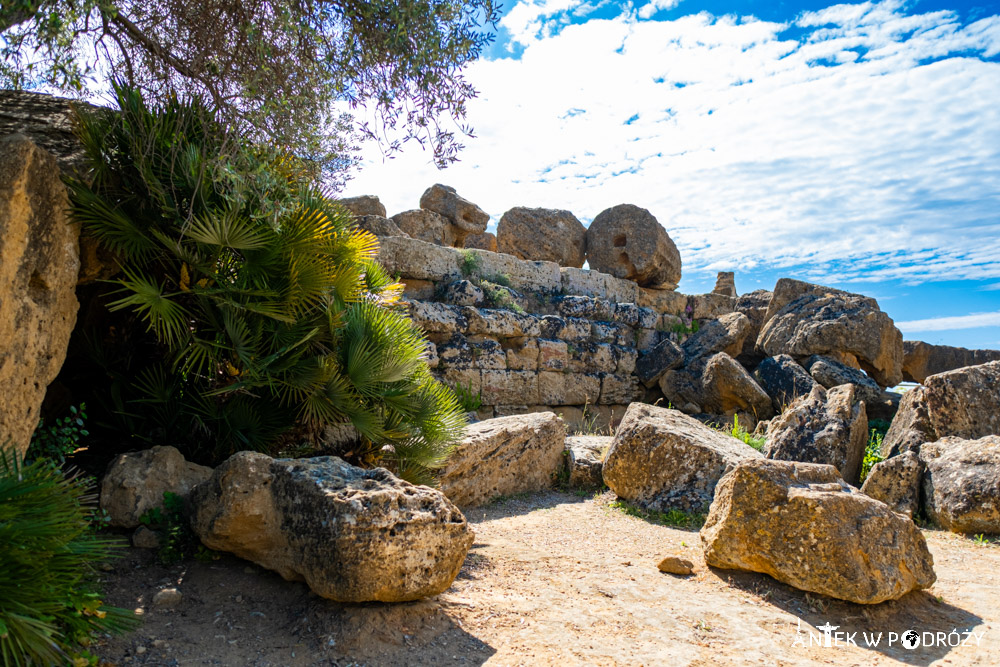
(39, 264)
(135, 483)
(504, 456)
(725, 283)
(465, 217)
(804, 319)
(484, 241)
(725, 334)
(363, 205)
(716, 385)
(627, 242)
(585, 460)
(783, 380)
(803, 525)
(353, 535)
(896, 482)
(921, 360)
(831, 373)
(827, 426)
(661, 459)
(426, 226)
(964, 403)
(544, 234)
(962, 484)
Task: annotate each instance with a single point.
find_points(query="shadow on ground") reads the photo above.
(919, 611)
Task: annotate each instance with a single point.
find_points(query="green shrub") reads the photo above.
(739, 432)
(469, 400)
(60, 439)
(250, 308)
(873, 452)
(672, 517)
(49, 602)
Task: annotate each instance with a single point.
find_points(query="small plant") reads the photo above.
(469, 401)
(673, 517)
(873, 453)
(470, 264)
(60, 439)
(177, 540)
(50, 605)
(982, 540)
(498, 295)
(740, 433)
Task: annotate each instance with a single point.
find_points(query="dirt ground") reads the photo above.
(560, 579)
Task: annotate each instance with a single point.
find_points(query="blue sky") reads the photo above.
(856, 145)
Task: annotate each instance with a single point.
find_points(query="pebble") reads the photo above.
(676, 565)
(167, 598)
(139, 650)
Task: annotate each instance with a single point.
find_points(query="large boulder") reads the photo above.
(48, 121)
(831, 373)
(896, 482)
(803, 525)
(783, 380)
(921, 359)
(804, 319)
(363, 205)
(379, 226)
(827, 426)
(964, 403)
(716, 385)
(353, 535)
(426, 226)
(962, 484)
(135, 483)
(484, 241)
(39, 264)
(664, 356)
(543, 234)
(504, 456)
(465, 217)
(725, 334)
(627, 242)
(662, 459)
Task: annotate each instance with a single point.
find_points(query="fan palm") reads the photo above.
(260, 303)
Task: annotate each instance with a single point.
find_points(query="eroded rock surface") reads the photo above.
(962, 484)
(803, 525)
(135, 482)
(627, 242)
(543, 234)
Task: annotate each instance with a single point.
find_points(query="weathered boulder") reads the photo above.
(484, 241)
(725, 283)
(465, 217)
(662, 459)
(754, 305)
(896, 482)
(676, 565)
(803, 525)
(363, 205)
(725, 334)
(627, 242)
(353, 535)
(426, 226)
(664, 356)
(379, 226)
(921, 359)
(716, 385)
(964, 403)
(804, 319)
(585, 459)
(39, 263)
(831, 373)
(46, 120)
(503, 456)
(827, 426)
(962, 484)
(135, 482)
(544, 234)
(783, 380)
(463, 293)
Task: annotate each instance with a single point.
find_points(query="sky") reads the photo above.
(854, 145)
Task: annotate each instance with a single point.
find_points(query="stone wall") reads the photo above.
(562, 339)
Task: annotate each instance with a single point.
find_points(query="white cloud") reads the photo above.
(991, 288)
(972, 321)
(649, 9)
(860, 149)
(528, 18)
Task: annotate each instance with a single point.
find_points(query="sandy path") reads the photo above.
(556, 579)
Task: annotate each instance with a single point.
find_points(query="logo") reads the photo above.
(829, 637)
(911, 639)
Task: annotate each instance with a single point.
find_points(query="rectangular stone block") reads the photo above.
(520, 274)
(710, 306)
(410, 258)
(568, 388)
(522, 353)
(583, 282)
(510, 387)
(662, 301)
(626, 358)
(488, 354)
(553, 355)
(612, 332)
(471, 379)
(618, 389)
(436, 317)
(500, 323)
(456, 352)
(592, 358)
(414, 288)
(620, 290)
(575, 329)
